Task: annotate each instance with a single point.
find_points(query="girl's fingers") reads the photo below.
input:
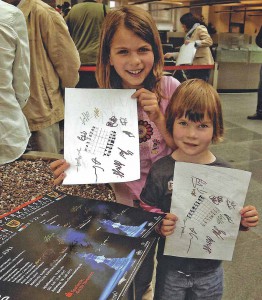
(61, 169)
(59, 179)
(138, 93)
(58, 168)
(143, 94)
(55, 164)
(148, 101)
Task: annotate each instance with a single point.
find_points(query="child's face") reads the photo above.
(192, 138)
(132, 58)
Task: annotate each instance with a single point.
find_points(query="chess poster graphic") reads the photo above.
(207, 201)
(101, 139)
(45, 261)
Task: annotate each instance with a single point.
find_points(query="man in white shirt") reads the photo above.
(14, 83)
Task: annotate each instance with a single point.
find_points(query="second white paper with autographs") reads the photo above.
(101, 136)
(207, 201)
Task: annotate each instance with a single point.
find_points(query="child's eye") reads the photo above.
(144, 49)
(123, 51)
(182, 123)
(203, 126)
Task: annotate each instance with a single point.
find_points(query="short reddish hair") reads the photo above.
(194, 99)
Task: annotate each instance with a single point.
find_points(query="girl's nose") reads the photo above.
(135, 59)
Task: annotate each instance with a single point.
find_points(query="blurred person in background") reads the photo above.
(258, 114)
(59, 8)
(84, 23)
(54, 65)
(14, 83)
(196, 31)
(65, 9)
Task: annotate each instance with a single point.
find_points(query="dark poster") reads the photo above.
(80, 213)
(51, 262)
(61, 246)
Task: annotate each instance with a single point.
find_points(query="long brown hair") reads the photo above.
(140, 23)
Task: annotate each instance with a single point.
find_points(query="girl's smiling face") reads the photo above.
(131, 57)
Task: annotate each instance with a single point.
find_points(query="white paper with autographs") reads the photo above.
(101, 140)
(207, 201)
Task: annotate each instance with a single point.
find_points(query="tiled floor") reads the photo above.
(242, 147)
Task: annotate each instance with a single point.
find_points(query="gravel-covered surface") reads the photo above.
(23, 180)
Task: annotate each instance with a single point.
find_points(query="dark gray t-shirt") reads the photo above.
(158, 192)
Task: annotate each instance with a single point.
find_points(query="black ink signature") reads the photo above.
(231, 204)
(193, 234)
(130, 134)
(118, 166)
(197, 182)
(216, 199)
(218, 233)
(209, 242)
(123, 121)
(78, 159)
(96, 166)
(122, 153)
(83, 136)
(112, 122)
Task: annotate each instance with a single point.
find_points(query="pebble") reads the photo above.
(24, 180)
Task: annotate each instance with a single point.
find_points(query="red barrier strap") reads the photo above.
(87, 68)
(166, 68)
(188, 67)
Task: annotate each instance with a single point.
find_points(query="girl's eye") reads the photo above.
(123, 51)
(203, 126)
(144, 49)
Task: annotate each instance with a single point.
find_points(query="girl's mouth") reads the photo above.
(135, 72)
